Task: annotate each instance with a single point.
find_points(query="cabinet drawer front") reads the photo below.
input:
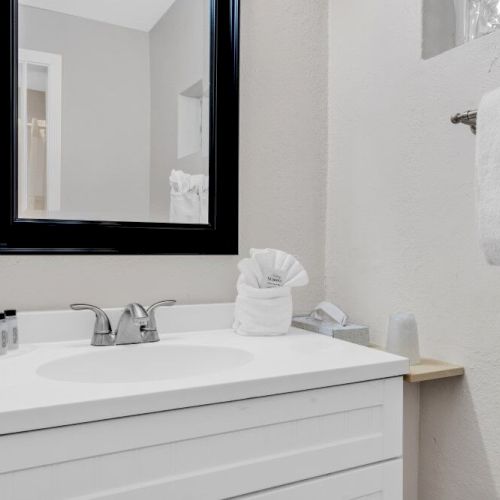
(376, 482)
(215, 451)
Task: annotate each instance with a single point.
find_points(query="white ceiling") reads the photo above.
(136, 14)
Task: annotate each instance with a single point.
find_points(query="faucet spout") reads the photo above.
(130, 326)
(138, 314)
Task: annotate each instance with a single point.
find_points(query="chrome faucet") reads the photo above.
(150, 331)
(103, 335)
(136, 326)
(129, 330)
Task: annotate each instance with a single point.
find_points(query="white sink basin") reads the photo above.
(142, 363)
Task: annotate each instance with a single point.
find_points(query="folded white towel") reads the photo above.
(270, 268)
(188, 198)
(180, 182)
(488, 175)
(184, 208)
(250, 273)
(263, 312)
(264, 302)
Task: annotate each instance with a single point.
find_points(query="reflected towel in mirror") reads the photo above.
(188, 198)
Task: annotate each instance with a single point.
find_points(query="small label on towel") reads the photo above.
(273, 280)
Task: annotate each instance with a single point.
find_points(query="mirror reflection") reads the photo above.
(114, 110)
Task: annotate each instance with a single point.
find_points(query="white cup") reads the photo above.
(402, 337)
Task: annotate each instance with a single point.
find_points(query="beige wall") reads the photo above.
(282, 188)
(401, 229)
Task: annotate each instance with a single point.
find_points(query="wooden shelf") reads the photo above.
(431, 369)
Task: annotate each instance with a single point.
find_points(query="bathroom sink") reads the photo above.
(142, 363)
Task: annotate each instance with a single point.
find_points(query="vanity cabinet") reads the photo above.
(375, 482)
(342, 442)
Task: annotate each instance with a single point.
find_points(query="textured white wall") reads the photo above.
(401, 231)
(282, 188)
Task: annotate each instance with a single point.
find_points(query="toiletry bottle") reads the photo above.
(11, 320)
(4, 336)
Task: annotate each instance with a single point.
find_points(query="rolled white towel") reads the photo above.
(250, 273)
(488, 176)
(184, 208)
(188, 198)
(264, 303)
(274, 268)
(263, 311)
(180, 182)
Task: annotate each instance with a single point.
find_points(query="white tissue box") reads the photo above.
(356, 334)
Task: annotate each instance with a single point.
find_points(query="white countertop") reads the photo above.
(295, 362)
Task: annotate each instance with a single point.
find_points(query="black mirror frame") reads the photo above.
(219, 237)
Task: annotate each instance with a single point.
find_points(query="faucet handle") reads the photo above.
(150, 331)
(103, 334)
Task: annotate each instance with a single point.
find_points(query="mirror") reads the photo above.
(113, 110)
(123, 127)
(450, 23)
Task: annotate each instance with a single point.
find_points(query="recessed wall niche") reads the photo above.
(450, 23)
(193, 114)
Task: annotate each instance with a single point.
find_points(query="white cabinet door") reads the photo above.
(377, 482)
(211, 452)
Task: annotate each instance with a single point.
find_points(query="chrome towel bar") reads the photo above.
(467, 118)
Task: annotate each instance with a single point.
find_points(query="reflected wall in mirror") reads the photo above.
(114, 110)
(450, 23)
